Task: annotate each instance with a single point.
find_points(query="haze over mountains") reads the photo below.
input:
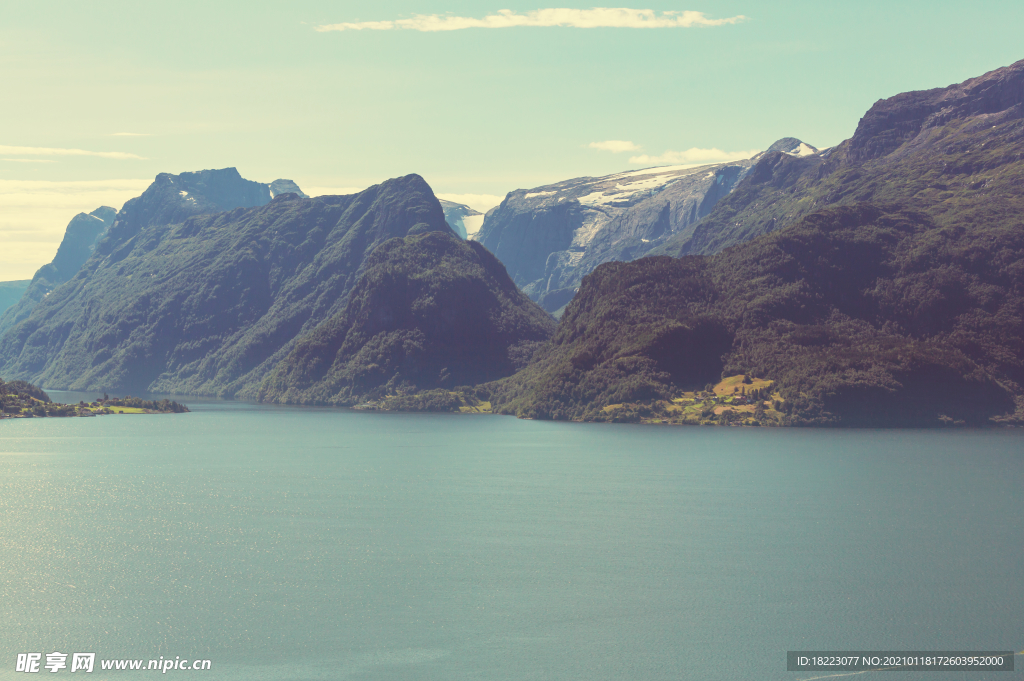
(875, 283)
(171, 198)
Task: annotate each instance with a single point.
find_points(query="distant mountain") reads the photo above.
(429, 311)
(456, 214)
(178, 298)
(11, 292)
(80, 238)
(550, 237)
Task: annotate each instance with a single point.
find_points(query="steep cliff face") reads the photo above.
(762, 203)
(282, 186)
(80, 238)
(210, 304)
(429, 311)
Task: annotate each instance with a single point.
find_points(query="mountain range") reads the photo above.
(876, 283)
(203, 284)
(171, 198)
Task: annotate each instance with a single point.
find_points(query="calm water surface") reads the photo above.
(318, 544)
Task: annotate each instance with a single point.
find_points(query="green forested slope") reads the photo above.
(861, 315)
(430, 311)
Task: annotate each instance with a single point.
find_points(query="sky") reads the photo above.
(480, 99)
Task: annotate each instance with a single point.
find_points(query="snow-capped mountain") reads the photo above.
(550, 237)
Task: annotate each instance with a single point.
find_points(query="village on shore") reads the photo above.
(19, 399)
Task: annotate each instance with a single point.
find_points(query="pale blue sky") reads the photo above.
(475, 111)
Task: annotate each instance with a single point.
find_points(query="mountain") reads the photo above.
(458, 215)
(178, 302)
(11, 292)
(550, 237)
(171, 198)
(80, 238)
(859, 315)
(877, 283)
(956, 153)
(429, 311)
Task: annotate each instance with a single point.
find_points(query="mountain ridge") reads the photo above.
(208, 305)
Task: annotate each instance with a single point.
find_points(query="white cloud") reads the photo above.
(614, 146)
(34, 214)
(694, 156)
(480, 202)
(598, 17)
(50, 151)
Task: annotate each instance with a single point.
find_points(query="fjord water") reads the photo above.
(297, 544)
